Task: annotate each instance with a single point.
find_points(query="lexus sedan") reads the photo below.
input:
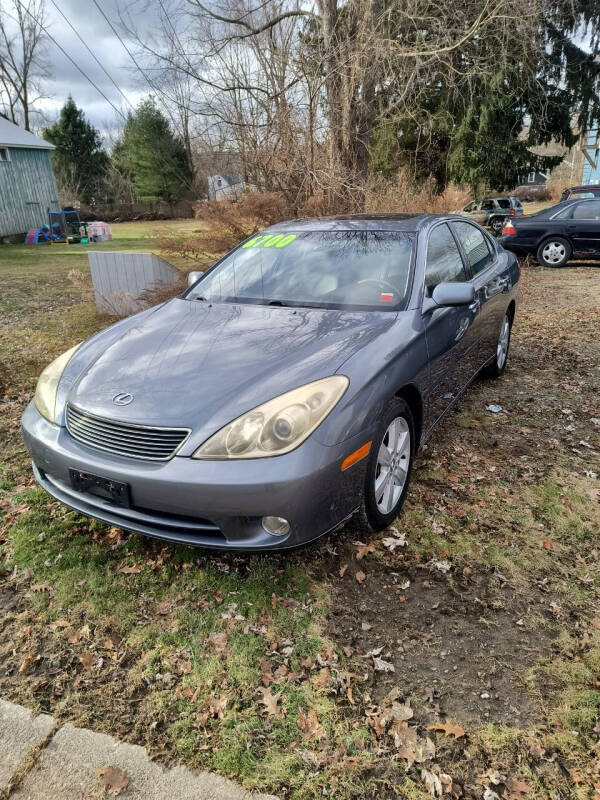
(570, 229)
(287, 389)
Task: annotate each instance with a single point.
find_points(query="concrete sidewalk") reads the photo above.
(40, 760)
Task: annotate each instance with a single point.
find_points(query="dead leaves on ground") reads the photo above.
(26, 664)
(271, 703)
(113, 779)
(363, 549)
(130, 570)
(498, 786)
(448, 729)
(309, 724)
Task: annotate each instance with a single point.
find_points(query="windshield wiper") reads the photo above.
(276, 303)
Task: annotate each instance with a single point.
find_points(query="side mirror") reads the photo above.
(450, 294)
(193, 277)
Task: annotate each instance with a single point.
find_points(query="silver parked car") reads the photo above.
(493, 211)
(287, 389)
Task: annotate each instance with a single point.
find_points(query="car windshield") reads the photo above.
(328, 269)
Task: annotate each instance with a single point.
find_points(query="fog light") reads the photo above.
(276, 526)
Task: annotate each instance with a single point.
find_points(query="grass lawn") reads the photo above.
(465, 662)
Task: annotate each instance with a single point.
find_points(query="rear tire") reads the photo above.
(498, 365)
(554, 252)
(389, 466)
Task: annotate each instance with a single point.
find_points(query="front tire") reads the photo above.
(554, 252)
(389, 467)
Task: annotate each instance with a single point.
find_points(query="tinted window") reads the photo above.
(590, 210)
(444, 262)
(474, 245)
(328, 269)
(503, 202)
(582, 195)
(565, 213)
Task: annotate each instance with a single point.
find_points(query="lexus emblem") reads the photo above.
(122, 399)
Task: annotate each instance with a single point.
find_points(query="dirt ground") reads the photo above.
(456, 654)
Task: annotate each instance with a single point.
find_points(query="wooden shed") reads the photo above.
(27, 183)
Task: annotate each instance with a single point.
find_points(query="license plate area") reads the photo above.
(115, 491)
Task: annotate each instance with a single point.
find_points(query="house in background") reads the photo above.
(231, 186)
(27, 183)
(580, 165)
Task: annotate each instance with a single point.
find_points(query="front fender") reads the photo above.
(376, 373)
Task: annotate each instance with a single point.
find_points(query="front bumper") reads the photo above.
(212, 504)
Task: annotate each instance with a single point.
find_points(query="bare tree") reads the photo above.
(298, 88)
(22, 58)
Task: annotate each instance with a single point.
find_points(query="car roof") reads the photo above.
(548, 212)
(359, 222)
(587, 187)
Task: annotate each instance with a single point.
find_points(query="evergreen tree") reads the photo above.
(152, 156)
(79, 160)
(480, 130)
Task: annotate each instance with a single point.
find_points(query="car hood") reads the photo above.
(199, 365)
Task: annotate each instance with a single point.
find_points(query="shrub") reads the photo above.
(403, 195)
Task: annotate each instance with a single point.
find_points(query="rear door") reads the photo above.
(450, 332)
(492, 282)
(583, 229)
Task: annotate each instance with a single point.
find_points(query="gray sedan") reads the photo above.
(286, 390)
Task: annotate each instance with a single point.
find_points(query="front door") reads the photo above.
(474, 211)
(451, 333)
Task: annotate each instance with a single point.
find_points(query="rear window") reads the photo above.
(589, 210)
(474, 245)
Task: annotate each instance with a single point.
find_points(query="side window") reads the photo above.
(588, 210)
(487, 205)
(474, 246)
(444, 262)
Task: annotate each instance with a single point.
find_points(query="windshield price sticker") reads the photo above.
(271, 240)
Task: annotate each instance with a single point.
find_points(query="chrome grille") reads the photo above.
(125, 439)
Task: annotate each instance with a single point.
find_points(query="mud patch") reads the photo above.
(457, 649)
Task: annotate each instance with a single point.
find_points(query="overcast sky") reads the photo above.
(66, 79)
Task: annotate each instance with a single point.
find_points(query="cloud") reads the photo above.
(67, 79)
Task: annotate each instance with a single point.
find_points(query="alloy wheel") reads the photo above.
(503, 341)
(393, 460)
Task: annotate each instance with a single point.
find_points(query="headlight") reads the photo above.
(45, 391)
(278, 426)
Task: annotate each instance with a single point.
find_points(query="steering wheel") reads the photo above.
(380, 283)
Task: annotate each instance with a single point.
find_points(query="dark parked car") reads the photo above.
(492, 211)
(287, 389)
(557, 234)
(580, 193)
